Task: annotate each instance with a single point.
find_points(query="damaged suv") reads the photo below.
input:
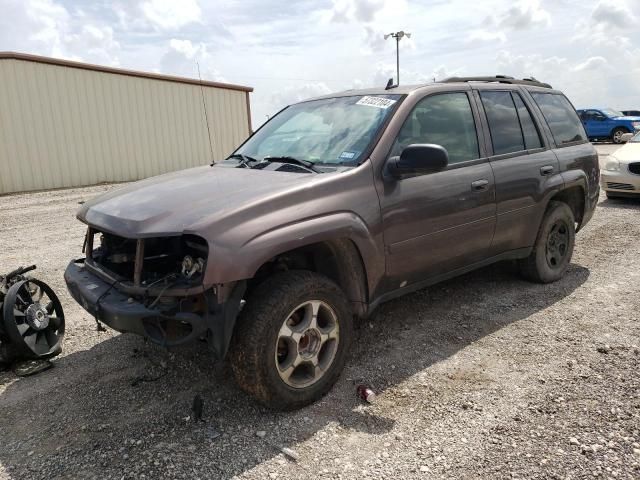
(336, 205)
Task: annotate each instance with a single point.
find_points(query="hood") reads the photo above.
(174, 203)
(628, 119)
(629, 152)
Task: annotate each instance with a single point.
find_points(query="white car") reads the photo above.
(620, 175)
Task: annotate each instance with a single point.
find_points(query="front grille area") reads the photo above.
(620, 186)
(634, 168)
(144, 262)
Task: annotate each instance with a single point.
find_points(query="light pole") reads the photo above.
(398, 36)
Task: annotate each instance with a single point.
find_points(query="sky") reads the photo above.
(292, 50)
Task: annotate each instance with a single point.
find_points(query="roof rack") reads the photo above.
(499, 79)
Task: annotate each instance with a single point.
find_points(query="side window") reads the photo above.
(504, 125)
(529, 130)
(443, 119)
(561, 117)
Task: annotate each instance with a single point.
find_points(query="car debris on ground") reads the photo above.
(31, 322)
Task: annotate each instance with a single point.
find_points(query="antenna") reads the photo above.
(206, 118)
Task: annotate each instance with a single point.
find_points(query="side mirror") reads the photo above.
(417, 159)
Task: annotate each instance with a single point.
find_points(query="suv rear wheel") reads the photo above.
(553, 249)
(291, 340)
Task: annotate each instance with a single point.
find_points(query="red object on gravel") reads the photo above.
(366, 394)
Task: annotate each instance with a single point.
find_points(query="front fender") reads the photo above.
(233, 263)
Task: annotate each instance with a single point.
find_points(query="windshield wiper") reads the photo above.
(291, 160)
(244, 159)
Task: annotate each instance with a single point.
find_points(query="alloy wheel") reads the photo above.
(307, 344)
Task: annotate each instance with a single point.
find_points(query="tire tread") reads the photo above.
(529, 266)
(253, 327)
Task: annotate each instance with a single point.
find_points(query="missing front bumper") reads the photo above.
(165, 327)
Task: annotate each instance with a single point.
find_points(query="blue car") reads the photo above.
(603, 123)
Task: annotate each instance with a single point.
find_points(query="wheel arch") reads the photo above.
(620, 127)
(338, 259)
(574, 195)
(339, 245)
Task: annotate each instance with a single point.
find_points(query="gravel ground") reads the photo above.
(484, 376)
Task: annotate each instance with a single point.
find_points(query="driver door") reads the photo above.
(439, 222)
(597, 124)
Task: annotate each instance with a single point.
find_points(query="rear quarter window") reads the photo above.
(561, 117)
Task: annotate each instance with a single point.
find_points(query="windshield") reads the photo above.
(610, 112)
(334, 131)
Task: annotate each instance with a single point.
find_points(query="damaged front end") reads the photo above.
(154, 287)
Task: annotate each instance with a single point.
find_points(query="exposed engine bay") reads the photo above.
(148, 262)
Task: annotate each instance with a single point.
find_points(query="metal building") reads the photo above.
(69, 124)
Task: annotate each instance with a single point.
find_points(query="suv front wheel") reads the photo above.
(616, 135)
(553, 249)
(291, 340)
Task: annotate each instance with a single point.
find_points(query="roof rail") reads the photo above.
(498, 79)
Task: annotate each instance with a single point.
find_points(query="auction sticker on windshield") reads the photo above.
(377, 102)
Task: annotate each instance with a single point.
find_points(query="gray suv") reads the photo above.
(336, 205)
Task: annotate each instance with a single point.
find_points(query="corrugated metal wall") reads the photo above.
(65, 127)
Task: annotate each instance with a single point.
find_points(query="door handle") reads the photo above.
(546, 170)
(479, 185)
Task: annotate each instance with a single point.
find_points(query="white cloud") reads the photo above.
(95, 42)
(481, 35)
(608, 26)
(49, 20)
(587, 82)
(374, 17)
(613, 14)
(595, 37)
(185, 47)
(538, 66)
(365, 11)
(593, 63)
(171, 14)
(46, 27)
(181, 57)
(524, 14)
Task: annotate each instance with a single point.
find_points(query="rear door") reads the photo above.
(438, 222)
(525, 170)
(577, 158)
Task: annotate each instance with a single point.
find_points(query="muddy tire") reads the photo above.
(553, 249)
(291, 340)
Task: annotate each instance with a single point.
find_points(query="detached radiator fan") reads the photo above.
(31, 318)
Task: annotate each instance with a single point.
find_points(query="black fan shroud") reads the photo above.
(33, 319)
